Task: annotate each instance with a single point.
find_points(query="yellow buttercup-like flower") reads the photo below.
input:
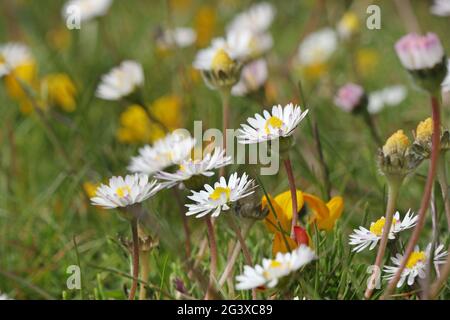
(25, 73)
(323, 214)
(90, 188)
(59, 90)
(424, 130)
(397, 143)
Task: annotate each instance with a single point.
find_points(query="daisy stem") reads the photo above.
(145, 269)
(135, 271)
(287, 165)
(442, 178)
(435, 147)
(393, 189)
(213, 254)
(225, 96)
(245, 251)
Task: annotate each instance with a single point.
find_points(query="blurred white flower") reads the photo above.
(220, 197)
(280, 123)
(418, 52)
(247, 45)
(13, 55)
(165, 152)
(387, 97)
(4, 296)
(256, 19)
(89, 9)
(253, 76)
(123, 192)
(192, 167)
(317, 47)
(416, 264)
(446, 82)
(362, 238)
(176, 38)
(271, 270)
(441, 8)
(121, 81)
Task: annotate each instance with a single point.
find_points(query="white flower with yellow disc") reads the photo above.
(271, 270)
(13, 55)
(362, 238)
(123, 192)
(280, 123)
(219, 197)
(195, 167)
(416, 264)
(165, 152)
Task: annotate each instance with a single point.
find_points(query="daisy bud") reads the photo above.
(219, 65)
(424, 58)
(351, 98)
(395, 159)
(422, 142)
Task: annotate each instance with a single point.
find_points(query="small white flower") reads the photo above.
(441, 8)
(121, 81)
(362, 238)
(317, 47)
(247, 45)
(387, 97)
(271, 270)
(4, 296)
(280, 123)
(176, 38)
(218, 198)
(253, 77)
(13, 55)
(257, 18)
(193, 167)
(207, 59)
(446, 82)
(416, 264)
(122, 192)
(89, 9)
(418, 52)
(165, 152)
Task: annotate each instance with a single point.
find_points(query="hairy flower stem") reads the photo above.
(145, 269)
(225, 96)
(287, 165)
(435, 147)
(213, 255)
(442, 178)
(393, 189)
(135, 271)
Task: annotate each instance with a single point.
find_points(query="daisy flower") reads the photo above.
(387, 97)
(362, 238)
(271, 270)
(13, 55)
(416, 264)
(189, 168)
(350, 97)
(165, 152)
(124, 192)
(247, 45)
(257, 18)
(418, 52)
(121, 81)
(317, 47)
(278, 124)
(89, 9)
(253, 77)
(441, 8)
(218, 198)
(176, 38)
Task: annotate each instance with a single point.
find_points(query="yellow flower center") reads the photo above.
(273, 122)
(2, 59)
(219, 191)
(275, 264)
(414, 258)
(123, 191)
(350, 21)
(397, 143)
(221, 61)
(424, 130)
(377, 227)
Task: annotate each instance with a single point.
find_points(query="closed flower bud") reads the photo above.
(351, 98)
(424, 58)
(422, 142)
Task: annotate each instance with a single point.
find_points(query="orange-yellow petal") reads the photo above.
(279, 244)
(282, 204)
